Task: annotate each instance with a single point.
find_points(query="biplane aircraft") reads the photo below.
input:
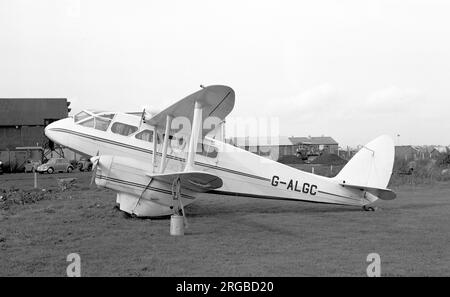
(160, 162)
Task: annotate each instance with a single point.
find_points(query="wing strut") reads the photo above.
(165, 144)
(195, 135)
(155, 148)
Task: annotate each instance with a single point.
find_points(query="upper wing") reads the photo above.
(384, 194)
(197, 181)
(217, 101)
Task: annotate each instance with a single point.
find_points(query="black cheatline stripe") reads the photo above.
(322, 192)
(226, 193)
(159, 154)
(140, 185)
(232, 171)
(103, 140)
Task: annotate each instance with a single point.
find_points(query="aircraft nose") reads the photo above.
(53, 130)
(49, 129)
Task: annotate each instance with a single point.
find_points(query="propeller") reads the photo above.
(147, 114)
(142, 119)
(94, 161)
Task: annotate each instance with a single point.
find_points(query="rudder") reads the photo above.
(371, 166)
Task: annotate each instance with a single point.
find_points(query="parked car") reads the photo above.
(84, 164)
(31, 165)
(1, 167)
(55, 165)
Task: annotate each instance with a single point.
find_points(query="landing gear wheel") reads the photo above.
(369, 208)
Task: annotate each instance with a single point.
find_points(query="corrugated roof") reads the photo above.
(284, 140)
(313, 140)
(31, 111)
(261, 141)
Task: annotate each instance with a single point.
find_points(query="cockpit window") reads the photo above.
(123, 129)
(89, 123)
(98, 123)
(146, 135)
(81, 116)
(101, 124)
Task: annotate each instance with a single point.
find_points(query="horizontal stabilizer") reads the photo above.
(383, 194)
(197, 181)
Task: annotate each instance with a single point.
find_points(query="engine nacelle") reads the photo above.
(136, 193)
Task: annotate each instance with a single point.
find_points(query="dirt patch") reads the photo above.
(14, 196)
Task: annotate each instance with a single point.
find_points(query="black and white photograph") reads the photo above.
(224, 145)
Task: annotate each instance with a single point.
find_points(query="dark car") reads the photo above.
(84, 164)
(31, 165)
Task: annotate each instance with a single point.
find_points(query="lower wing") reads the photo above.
(197, 181)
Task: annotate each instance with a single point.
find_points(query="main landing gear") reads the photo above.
(370, 208)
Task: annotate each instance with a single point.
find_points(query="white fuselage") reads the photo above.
(243, 173)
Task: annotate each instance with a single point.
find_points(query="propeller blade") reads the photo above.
(94, 161)
(184, 214)
(142, 119)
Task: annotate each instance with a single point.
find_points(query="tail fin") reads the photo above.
(372, 166)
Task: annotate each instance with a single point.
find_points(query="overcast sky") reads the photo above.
(348, 69)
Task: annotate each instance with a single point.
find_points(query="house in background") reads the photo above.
(322, 144)
(438, 151)
(270, 147)
(407, 152)
(277, 147)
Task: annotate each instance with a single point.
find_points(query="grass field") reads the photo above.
(226, 237)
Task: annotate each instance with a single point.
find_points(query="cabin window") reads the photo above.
(101, 124)
(89, 123)
(123, 129)
(179, 142)
(146, 135)
(81, 116)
